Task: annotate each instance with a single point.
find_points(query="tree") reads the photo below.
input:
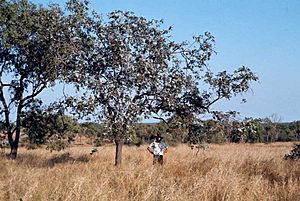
(251, 130)
(271, 127)
(136, 71)
(37, 46)
(125, 72)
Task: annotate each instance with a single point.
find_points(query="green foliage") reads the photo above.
(134, 140)
(98, 142)
(197, 133)
(284, 133)
(295, 128)
(92, 129)
(251, 130)
(48, 126)
(271, 130)
(36, 123)
(98, 132)
(57, 143)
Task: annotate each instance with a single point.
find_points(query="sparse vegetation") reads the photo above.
(225, 172)
(121, 69)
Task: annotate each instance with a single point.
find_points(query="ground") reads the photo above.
(223, 172)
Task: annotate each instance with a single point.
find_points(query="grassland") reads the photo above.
(224, 172)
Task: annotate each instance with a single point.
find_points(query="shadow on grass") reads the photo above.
(36, 161)
(271, 170)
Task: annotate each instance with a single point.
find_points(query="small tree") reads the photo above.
(270, 130)
(252, 129)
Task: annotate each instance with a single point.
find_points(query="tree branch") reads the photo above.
(2, 68)
(34, 94)
(6, 85)
(160, 118)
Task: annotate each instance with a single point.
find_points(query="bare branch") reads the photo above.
(160, 118)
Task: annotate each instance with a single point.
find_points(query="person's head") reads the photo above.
(158, 139)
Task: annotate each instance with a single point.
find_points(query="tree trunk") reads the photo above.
(13, 151)
(119, 146)
(14, 143)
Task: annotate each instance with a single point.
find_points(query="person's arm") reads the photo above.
(150, 148)
(165, 149)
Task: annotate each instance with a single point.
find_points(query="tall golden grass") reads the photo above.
(223, 172)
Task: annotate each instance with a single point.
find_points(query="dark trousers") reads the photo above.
(158, 159)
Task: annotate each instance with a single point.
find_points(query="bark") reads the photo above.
(14, 143)
(13, 150)
(119, 146)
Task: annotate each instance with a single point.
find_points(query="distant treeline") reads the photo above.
(212, 131)
(59, 131)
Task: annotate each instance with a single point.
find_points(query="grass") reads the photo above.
(223, 172)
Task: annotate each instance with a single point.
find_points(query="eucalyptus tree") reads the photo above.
(37, 45)
(136, 70)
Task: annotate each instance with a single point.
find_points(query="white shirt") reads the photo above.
(158, 148)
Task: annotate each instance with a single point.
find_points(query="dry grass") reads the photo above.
(224, 172)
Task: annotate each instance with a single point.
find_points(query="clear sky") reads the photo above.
(263, 35)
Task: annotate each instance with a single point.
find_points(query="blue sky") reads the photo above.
(263, 35)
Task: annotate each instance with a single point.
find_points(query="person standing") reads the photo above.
(158, 148)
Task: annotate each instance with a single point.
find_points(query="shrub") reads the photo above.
(294, 154)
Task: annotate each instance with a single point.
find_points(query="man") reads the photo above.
(158, 148)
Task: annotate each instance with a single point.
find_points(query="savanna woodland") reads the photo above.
(124, 69)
